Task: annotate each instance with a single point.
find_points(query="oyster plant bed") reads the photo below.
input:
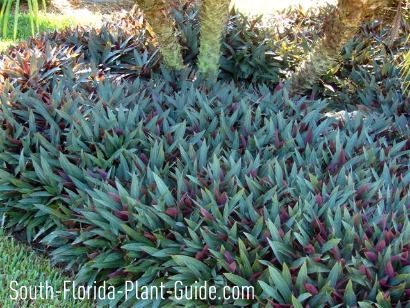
(125, 171)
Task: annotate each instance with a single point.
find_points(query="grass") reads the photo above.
(18, 263)
(47, 22)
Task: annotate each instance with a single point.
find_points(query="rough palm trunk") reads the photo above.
(157, 15)
(214, 15)
(385, 9)
(348, 18)
(406, 70)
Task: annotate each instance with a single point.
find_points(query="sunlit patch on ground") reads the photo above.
(91, 12)
(256, 7)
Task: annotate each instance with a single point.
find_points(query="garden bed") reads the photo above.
(126, 171)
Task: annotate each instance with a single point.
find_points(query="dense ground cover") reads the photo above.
(126, 171)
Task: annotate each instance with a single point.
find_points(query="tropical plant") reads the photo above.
(214, 15)
(406, 68)
(340, 28)
(127, 171)
(157, 14)
(6, 13)
(160, 179)
(406, 62)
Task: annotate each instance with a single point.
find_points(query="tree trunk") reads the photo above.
(214, 15)
(406, 70)
(157, 15)
(348, 17)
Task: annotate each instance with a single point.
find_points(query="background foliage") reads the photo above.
(11, 11)
(126, 171)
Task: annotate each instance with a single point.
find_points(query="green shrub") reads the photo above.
(369, 76)
(126, 171)
(161, 182)
(250, 53)
(256, 51)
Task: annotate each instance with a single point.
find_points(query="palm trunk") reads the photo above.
(349, 16)
(385, 9)
(157, 15)
(214, 15)
(406, 70)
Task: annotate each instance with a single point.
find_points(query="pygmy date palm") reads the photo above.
(214, 15)
(406, 62)
(348, 17)
(158, 17)
(406, 69)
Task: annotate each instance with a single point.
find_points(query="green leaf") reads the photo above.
(350, 296)
(164, 191)
(334, 274)
(329, 245)
(296, 303)
(237, 280)
(270, 291)
(195, 266)
(302, 277)
(281, 284)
